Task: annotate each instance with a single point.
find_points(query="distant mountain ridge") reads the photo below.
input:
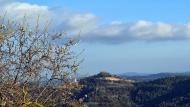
(150, 77)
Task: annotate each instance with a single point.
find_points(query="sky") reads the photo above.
(118, 36)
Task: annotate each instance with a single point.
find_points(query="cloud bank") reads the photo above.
(91, 28)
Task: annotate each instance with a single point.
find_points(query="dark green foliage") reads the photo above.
(171, 91)
(165, 92)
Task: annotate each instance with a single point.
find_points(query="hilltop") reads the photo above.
(106, 90)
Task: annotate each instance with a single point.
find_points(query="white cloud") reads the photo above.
(84, 22)
(110, 30)
(80, 20)
(140, 30)
(92, 29)
(69, 21)
(147, 29)
(164, 29)
(17, 11)
(188, 30)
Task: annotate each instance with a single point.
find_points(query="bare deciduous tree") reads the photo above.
(36, 66)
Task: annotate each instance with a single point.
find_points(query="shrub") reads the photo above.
(37, 66)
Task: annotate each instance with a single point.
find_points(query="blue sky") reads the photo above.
(174, 11)
(146, 36)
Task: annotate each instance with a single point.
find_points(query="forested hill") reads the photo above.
(106, 90)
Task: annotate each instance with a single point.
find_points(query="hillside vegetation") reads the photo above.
(98, 91)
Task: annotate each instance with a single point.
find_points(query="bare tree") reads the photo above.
(37, 67)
